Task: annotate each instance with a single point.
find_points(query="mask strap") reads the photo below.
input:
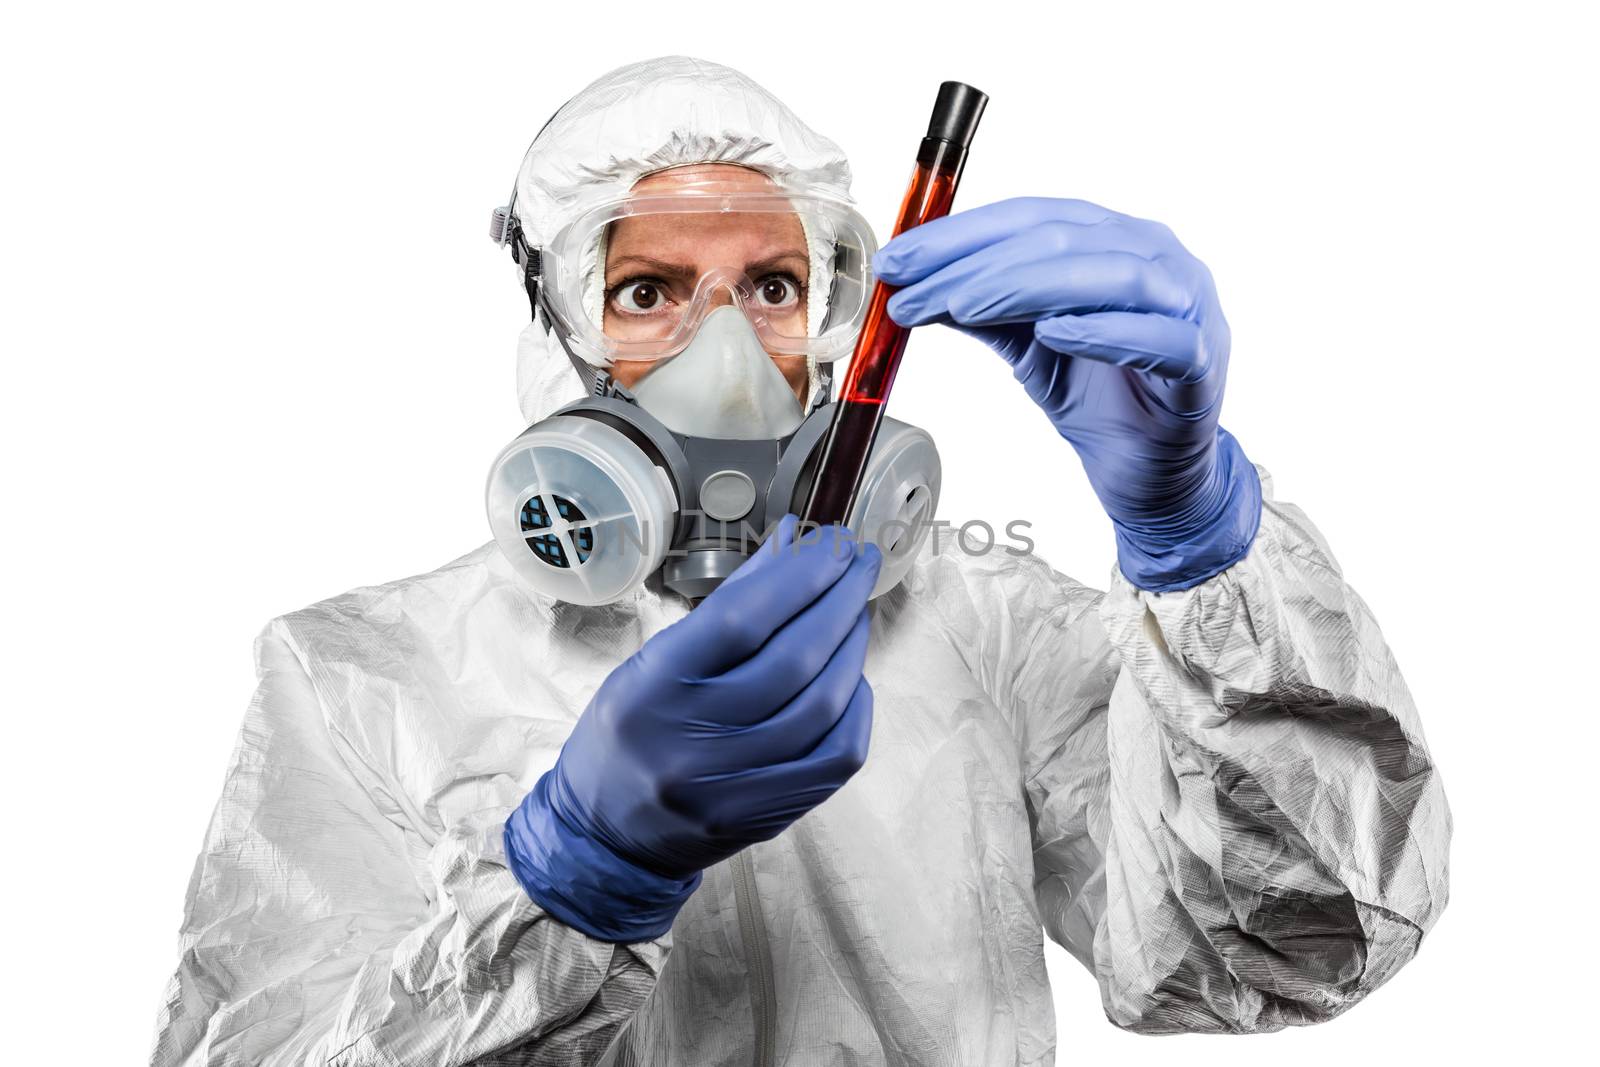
(824, 386)
(596, 380)
(824, 392)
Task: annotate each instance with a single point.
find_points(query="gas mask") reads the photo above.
(690, 291)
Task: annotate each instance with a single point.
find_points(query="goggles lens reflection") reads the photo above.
(633, 279)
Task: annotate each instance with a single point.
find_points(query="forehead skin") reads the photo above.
(702, 242)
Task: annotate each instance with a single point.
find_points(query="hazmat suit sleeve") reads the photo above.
(319, 928)
(1237, 825)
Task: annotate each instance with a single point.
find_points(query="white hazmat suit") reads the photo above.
(1219, 800)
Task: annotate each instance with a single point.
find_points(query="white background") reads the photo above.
(258, 349)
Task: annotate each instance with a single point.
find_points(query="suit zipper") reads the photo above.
(757, 958)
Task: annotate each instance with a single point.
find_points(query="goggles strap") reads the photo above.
(505, 230)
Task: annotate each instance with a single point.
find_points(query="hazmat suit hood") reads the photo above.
(636, 120)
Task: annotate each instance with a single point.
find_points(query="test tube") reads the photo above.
(882, 341)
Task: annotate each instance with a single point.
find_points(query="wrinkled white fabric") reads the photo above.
(1220, 800)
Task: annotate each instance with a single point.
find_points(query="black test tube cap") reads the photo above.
(956, 113)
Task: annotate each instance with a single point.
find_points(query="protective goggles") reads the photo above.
(632, 279)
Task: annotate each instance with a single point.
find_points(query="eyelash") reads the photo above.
(611, 293)
(642, 279)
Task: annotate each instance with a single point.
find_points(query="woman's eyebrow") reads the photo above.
(667, 269)
(774, 262)
(658, 266)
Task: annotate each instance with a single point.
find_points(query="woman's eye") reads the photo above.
(638, 297)
(778, 290)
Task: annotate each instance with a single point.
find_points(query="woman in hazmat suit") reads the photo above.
(468, 821)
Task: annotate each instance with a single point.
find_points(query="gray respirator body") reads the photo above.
(590, 502)
(685, 473)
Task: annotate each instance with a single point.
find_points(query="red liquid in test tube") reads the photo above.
(882, 341)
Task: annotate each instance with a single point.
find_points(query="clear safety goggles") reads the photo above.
(632, 279)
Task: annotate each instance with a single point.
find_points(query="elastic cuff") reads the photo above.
(582, 882)
(1166, 565)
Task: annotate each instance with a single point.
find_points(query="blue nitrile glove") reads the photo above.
(722, 730)
(1114, 329)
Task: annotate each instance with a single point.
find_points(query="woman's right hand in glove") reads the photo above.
(721, 731)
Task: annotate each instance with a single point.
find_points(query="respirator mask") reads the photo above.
(698, 313)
